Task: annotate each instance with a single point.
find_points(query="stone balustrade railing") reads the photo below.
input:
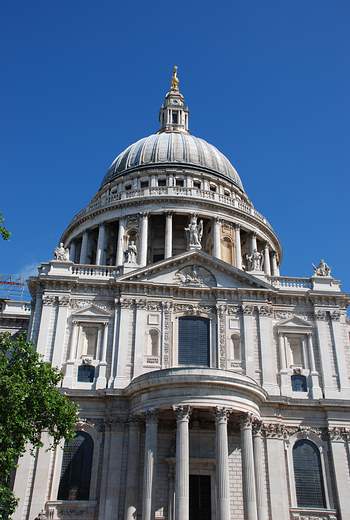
(297, 513)
(288, 282)
(176, 191)
(94, 271)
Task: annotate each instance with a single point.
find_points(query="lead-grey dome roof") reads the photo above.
(172, 148)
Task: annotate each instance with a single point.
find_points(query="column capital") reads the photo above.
(218, 220)
(144, 214)
(169, 213)
(222, 414)
(236, 225)
(258, 428)
(247, 421)
(183, 412)
(266, 246)
(151, 415)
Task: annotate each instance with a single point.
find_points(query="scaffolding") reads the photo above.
(13, 287)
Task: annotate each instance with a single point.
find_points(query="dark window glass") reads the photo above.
(179, 182)
(161, 182)
(197, 184)
(86, 374)
(212, 187)
(128, 187)
(144, 184)
(299, 383)
(175, 118)
(76, 468)
(193, 341)
(157, 258)
(308, 475)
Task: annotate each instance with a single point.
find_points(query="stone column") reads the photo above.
(253, 244)
(284, 373)
(217, 238)
(102, 380)
(60, 331)
(261, 493)
(132, 472)
(84, 248)
(322, 325)
(182, 478)
(222, 472)
(168, 246)
(150, 464)
(315, 383)
(267, 346)
(267, 265)
(72, 251)
(171, 492)
(277, 471)
(248, 467)
(68, 378)
(120, 244)
(238, 249)
(337, 437)
(144, 240)
(112, 470)
(275, 269)
(101, 244)
(338, 333)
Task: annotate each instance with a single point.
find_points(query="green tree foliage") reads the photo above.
(30, 403)
(4, 233)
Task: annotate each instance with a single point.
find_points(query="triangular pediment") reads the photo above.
(195, 269)
(294, 323)
(91, 311)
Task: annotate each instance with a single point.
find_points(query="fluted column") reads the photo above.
(120, 243)
(261, 494)
(238, 248)
(217, 238)
(275, 270)
(222, 472)
(168, 246)
(253, 244)
(101, 381)
(182, 479)
(248, 468)
(132, 475)
(100, 252)
(72, 251)
(84, 248)
(267, 265)
(150, 462)
(144, 239)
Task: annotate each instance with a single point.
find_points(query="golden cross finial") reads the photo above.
(175, 80)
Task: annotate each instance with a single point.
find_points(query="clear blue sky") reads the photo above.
(267, 82)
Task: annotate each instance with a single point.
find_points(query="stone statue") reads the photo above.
(194, 233)
(255, 261)
(175, 80)
(131, 253)
(322, 269)
(61, 253)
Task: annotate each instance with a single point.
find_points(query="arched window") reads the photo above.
(194, 343)
(236, 347)
(308, 475)
(227, 250)
(153, 343)
(76, 468)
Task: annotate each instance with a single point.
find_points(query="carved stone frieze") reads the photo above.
(313, 515)
(166, 308)
(221, 314)
(64, 301)
(265, 311)
(335, 315)
(76, 304)
(49, 299)
(233, 310)
(321, 315)
(338, 433)
(126, 303)
(248, 309)
(192, 309)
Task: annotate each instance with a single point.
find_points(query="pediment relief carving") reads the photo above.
(91, 311)
(195, 276)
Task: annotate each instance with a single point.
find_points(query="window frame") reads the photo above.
(213, 354)
(323, 449)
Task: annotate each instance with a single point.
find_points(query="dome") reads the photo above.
(173, 148)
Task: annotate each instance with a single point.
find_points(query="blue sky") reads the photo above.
(267, 82)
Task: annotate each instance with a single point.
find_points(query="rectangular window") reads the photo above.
(194, 341)
(197, 184)
(180, 182)
(161, 182)
(175, 118)
(144, 184)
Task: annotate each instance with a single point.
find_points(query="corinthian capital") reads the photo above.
(182, 412)
(222, 414)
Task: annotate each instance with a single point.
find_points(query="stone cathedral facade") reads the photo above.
(210, 387)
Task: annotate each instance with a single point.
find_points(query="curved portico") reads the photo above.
(193, 401)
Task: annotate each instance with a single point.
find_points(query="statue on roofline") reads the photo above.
(194, 233)
(175, 80)
(61, 253)
(322, 269)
